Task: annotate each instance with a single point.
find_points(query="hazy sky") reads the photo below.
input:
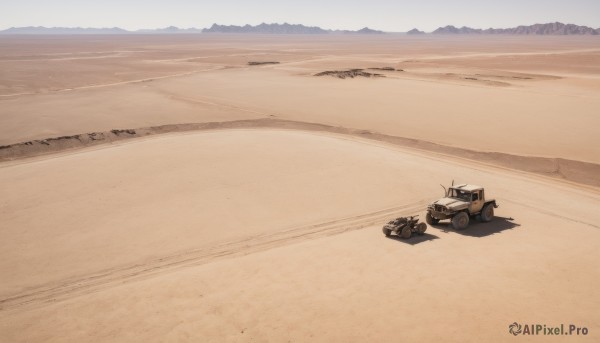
(385, 15)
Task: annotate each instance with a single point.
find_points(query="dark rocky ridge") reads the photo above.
(560, 168)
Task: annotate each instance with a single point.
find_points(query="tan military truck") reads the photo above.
(459, 204)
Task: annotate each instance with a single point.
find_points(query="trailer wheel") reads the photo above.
(430, 220)
(460, 221)
(406, 232)
(487, 213)
(387, 231)
(421, 228)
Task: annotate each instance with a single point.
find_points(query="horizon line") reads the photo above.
(273, 23)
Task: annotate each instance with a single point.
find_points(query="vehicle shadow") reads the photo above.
(415, 239)
(479, 229)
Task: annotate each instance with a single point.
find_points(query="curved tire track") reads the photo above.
(82, 285)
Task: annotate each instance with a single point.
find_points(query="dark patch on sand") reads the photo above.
(255, 63)
(126, 131)
(351, 73)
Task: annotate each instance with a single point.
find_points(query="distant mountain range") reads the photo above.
(536, 29)
(285, 28)
(263, 28)
(415, 32)
(41, 30)
(170, 29)
(38, 30)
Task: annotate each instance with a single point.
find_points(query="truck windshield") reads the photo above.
(460, 194)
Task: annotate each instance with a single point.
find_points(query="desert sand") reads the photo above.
(243, 202)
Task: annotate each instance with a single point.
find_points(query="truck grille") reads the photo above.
(438, 208)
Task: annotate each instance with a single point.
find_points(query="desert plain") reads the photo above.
(164, 188)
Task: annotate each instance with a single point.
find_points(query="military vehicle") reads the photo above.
(459, 204)
(404, 227)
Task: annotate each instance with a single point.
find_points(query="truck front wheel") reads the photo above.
(430, 220)
(460, 221)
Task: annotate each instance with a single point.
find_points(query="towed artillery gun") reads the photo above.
(404, 227)
(459, 204)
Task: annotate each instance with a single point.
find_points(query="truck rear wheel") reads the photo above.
(487, 213)
(460, 221)
(430, 220)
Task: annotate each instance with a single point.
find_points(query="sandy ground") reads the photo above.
(273, 234)
(534, 96)
(137, 242)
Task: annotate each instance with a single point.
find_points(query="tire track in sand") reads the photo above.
(66, 289)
